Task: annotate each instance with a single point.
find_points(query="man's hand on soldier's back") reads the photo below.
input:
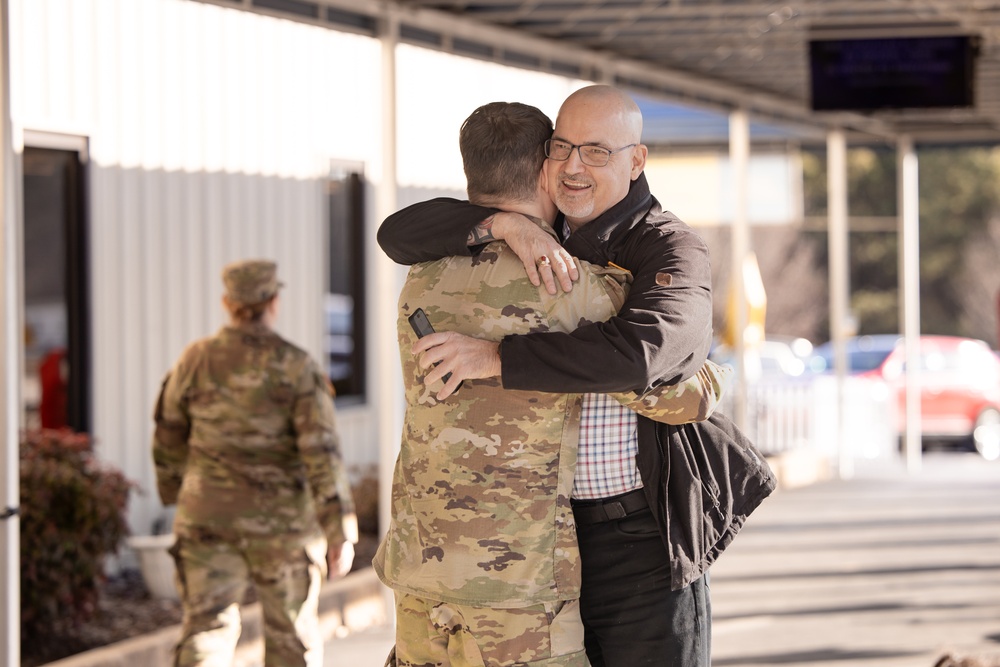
(545, 261)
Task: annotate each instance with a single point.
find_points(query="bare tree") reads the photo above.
(978, 284)
(797, 295)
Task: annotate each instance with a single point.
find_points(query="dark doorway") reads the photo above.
(56, 305)
(345, 298)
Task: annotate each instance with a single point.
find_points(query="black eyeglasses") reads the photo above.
(595, 156)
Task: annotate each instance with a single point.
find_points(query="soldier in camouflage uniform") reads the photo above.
(246, 446)
(481, 550)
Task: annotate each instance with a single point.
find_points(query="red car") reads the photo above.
(959, 381)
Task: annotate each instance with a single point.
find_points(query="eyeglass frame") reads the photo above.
(610, 152)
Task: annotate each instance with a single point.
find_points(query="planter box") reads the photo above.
(156, 565)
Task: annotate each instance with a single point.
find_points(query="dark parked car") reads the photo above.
(959, 385)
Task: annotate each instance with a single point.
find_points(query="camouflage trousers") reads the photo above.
(449, 635)
(212, 580)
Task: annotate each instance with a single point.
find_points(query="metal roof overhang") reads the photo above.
(714, 55)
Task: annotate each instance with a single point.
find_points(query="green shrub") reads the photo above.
(72, 517)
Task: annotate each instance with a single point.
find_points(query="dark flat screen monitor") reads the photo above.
(892, 73)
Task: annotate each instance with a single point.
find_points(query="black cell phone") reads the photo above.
(422, 326)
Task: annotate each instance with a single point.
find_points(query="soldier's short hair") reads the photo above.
(950, 660)
(503, 148)
(251, 313)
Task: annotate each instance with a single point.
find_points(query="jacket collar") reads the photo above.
(596, 241)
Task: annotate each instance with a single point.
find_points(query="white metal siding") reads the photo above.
(210, 133)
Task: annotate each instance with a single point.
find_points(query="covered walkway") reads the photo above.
(883, 570)
(746, 60)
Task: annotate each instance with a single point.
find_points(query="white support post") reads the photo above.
(385, 312)
(837, 235)
(739, 157)
(909, 293)
(389, 394)
(10, 359)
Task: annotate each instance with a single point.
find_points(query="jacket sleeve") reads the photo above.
(692, 400)
(661, 335)
(170, 438)
(430, 230)
(319, 447)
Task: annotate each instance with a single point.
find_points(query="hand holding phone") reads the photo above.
(422, 327)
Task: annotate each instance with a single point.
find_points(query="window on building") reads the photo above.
(56, 331)
(345, 302)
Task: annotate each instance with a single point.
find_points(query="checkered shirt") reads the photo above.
(608, 444)
(605, 464)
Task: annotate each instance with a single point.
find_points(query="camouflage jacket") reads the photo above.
(481, 491)
(246, 442)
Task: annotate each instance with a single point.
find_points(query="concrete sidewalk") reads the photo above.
(353, 614)
(365, 648)
(886, 569)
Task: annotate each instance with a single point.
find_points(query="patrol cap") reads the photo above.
(251, 281)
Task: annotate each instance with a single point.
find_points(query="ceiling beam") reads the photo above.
(717, 55)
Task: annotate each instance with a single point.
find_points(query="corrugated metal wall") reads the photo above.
(210, 131)
(210, 134)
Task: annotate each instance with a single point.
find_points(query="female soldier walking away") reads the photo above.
(246, 445)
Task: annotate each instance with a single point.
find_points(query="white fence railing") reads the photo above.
(799, 414)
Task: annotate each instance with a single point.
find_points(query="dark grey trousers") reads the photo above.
(630, 615)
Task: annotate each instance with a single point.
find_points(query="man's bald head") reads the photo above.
(609, 102)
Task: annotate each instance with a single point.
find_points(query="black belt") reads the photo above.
(608, 509)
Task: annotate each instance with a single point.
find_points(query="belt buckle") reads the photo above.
(615, 510)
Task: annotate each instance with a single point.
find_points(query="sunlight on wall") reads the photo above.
(437, 92)
(182, 86)
(697, 187)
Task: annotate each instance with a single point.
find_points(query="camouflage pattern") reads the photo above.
(212, 578)
(692, 400)
(246, 446)
(251, 281)
(438, 633)
(481, 490)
